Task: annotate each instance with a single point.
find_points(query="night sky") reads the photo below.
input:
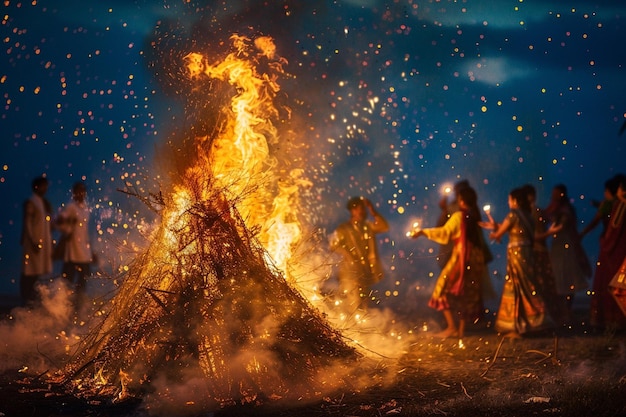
(394, 100)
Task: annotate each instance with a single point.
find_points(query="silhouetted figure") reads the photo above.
(605, 311)
(544, 276)
(74, 223)
(36, 240)
(604, 207)
(570, 263)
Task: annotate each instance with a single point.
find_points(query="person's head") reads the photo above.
(467, 198)
(621, 189)
(531, 193)
(559, 194)
(459, 185)
(40, 185)
(79, 191)
(356, 207)
(518, 198)
(611, 185)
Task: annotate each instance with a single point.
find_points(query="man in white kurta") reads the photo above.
(74, 221)
(36, 240)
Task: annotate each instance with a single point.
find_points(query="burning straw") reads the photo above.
(204, 302)
(219, 308)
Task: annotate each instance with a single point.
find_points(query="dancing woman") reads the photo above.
(522, 308)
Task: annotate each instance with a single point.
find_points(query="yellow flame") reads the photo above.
(99, 378)
(124, 380)
(238, 158)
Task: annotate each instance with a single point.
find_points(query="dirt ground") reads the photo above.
(570, 371)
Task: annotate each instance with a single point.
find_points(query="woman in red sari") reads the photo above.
(605, 312)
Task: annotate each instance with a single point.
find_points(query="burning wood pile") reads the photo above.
(218, 311)
(205, 302)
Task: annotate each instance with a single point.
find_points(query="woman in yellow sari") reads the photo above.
(458, 290)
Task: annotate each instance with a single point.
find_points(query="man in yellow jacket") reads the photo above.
(355, 240)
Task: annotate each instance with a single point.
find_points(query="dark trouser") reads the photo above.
(27, 289)
(76, 274)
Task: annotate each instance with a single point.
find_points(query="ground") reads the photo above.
(569, 371)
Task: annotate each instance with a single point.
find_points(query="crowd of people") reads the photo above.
(72, 248)
(546, 264)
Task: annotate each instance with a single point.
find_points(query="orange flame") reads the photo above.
(238, 159)
(99, 378)
(124, 380)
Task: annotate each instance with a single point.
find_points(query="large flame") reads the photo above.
(237, 159)
(203, 298)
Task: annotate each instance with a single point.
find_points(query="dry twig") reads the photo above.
(465, 391)
(495, 356)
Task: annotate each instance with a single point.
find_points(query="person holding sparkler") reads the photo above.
(458, 290)
(447, 209)
(522, 308)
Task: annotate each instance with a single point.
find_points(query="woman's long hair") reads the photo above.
(472, 215)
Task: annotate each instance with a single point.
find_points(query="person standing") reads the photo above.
(458, 290)
(570, 264)
(447, 209)
(73, 222)
(36, 240)
(522, 309)
(605, 311)
(355, 240)
(544, 277)
(603, 213)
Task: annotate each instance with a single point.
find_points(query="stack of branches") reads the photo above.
(204, 302)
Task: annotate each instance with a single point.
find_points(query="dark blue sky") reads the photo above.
(403, 97)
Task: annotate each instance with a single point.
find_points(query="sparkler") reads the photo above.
(414, 229)
(487, 210)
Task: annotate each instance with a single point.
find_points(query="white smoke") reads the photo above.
(39, 338)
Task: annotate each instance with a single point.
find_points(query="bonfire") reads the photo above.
(209, 302)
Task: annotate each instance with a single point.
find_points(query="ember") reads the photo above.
(205, 302)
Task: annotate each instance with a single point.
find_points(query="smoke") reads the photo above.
(195, 316)
(188, 396)
(39, 338)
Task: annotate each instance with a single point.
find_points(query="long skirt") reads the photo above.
(544, 278)
(462, 294)
(522, 308)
